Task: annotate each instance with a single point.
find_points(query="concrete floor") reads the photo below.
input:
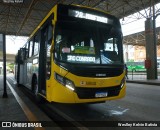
(142, 103)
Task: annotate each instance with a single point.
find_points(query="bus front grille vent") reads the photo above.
(89, 93)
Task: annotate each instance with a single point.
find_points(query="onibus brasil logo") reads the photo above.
(13, 1)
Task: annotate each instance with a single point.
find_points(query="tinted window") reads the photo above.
(36, 45)
(87, 43)
(30, 48)
(27, 48)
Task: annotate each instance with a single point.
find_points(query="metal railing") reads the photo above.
(140, 75)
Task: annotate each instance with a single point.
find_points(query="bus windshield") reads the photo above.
(83, 43)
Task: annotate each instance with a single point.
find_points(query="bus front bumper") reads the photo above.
(62, 94)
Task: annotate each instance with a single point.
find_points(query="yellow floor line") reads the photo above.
(31, 117)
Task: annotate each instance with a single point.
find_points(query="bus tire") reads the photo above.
(38, 98)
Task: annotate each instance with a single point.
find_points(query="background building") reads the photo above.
(137, 53)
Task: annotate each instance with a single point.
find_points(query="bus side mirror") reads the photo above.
(21, 56)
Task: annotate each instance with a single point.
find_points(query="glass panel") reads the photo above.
(109, 54)
(30, 48)
(50, 32)
(87, 43)
(36, 45)
(27, 53)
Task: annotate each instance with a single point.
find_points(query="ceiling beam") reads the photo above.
(33, 2)
(7, 19)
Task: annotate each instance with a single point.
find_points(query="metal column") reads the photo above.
(151, 52)
(4, 67)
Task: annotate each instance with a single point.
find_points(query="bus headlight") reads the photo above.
(69, 84)
(65, 82)
(122, 82)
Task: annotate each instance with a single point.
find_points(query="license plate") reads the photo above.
(101, 94)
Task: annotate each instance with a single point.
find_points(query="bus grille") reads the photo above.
(89, 93)
(89, 72)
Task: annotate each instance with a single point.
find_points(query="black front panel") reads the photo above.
(93, 70)
(97, 72)
(89, 93)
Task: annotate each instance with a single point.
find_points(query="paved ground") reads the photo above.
(21, 110)
(142, 103)
(8, 113)
(139, 76)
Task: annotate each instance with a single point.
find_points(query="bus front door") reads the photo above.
(44, 58)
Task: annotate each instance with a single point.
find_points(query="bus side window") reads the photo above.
(50, 33)
(31, 48)
(49, 39)
(27, 48)
(36, 44)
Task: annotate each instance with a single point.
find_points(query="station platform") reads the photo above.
(14, 109)
(149, 82)
(19, 109)
(9, 107)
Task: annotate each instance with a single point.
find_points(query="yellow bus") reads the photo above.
(75, 55)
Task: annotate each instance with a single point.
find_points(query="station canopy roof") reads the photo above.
(21, 19)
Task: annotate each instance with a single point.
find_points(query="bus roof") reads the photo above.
(55, 8)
